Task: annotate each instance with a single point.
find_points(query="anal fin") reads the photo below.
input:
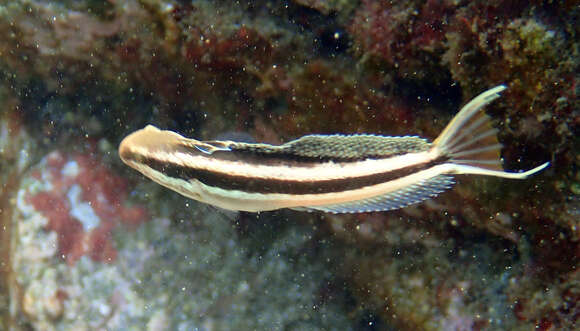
(404, 197)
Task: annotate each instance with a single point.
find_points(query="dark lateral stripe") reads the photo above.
(253, 158)
(279, 159)
(263, 185)
(260, 155)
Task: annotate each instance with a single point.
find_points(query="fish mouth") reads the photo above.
(125, 148)
(146, 140)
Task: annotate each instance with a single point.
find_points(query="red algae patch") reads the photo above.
(83, 201)
(69, 273)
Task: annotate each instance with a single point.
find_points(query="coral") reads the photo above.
(188, 268)
(547, 305)
(326, 7)
(519, 51)
(490, 44)
(237, 283)
(90, 72)
(82, 202)
(186, 59)
(407, 36)
(532, 54)
(319, 93)
(16, 154)
(420, 287)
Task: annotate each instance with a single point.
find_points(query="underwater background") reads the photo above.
(88, 244)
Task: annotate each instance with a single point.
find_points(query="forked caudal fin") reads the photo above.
(471, 142)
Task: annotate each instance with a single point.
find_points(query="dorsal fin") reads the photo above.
(342, 147)
(355, 146)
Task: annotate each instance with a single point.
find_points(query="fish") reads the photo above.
(333, 173)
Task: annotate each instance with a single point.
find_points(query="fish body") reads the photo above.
(330, 173)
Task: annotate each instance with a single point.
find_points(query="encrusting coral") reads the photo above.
(77, 76)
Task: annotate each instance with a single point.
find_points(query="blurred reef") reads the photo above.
(88, 244)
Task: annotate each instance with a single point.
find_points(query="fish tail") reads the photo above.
(471, 142)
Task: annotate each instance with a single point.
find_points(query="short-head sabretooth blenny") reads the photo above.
(331, 173)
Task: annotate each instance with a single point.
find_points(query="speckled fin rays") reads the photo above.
(472, 147)
(331, 173)
(400, 198)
